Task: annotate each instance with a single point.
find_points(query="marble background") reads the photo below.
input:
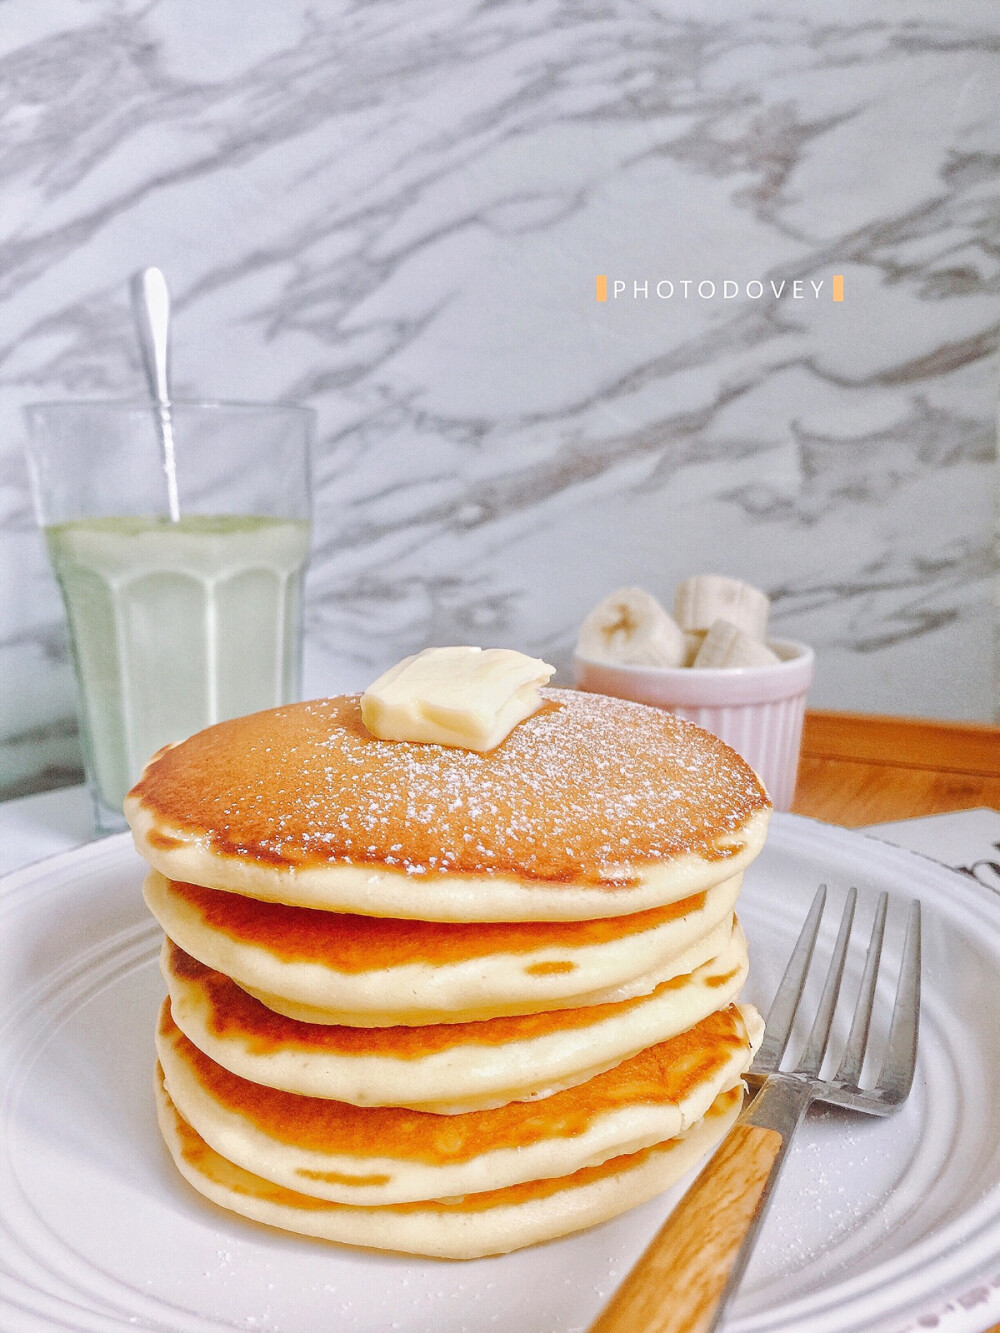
(396, 212)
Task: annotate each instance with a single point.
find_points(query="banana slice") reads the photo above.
(700, 600)
(630, 627)
(726, 645)
(693, 639)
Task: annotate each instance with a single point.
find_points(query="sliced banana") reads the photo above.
(693, 639)
(726, 645)
(705, 598)
(630, 627)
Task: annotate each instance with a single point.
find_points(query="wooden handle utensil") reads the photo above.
(676, 1285)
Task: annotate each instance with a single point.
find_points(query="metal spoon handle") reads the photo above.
(151, 310)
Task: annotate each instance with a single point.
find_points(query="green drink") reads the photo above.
(181, 570)
(176, 626)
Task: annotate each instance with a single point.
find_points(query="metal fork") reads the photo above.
(686, 1277)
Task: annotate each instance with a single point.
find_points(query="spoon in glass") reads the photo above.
(151, 311)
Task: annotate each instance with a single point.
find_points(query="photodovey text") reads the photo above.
(729, 289)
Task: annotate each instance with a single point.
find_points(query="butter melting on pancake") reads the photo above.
(468, 1227)
(376, 1155)
(591, 807)
(382, 970)
(448, 1067)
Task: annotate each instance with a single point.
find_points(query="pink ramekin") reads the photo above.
(756, 710)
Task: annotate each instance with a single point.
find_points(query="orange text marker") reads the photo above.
(602, 287)
(838, 286)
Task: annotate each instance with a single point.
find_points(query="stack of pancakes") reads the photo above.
(442, 1002)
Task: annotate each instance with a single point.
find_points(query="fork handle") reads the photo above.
(697, 1257)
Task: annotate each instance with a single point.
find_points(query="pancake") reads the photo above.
(372, 1156)
(448, 1067)
(381, 970)
(493, 1222)
(592, 807)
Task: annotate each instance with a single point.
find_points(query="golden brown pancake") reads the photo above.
(591, 807)
(441, 1001)
(447, 1067)
(369, 971)
(468, 1227)
(377, 1155)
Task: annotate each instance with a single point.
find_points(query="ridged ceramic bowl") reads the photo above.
(756, 710)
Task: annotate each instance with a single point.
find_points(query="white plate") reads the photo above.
(878, 1225)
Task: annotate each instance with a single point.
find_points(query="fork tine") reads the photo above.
(857, 1039)
(815, 1049)
(781, 1015)
(896, 1074)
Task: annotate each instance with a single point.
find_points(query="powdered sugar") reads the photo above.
(585, 788)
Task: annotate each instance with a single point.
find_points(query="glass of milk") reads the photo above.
(178, 621)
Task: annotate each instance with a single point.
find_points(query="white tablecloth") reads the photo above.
(36, 826)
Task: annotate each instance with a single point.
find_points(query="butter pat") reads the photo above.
(470, 698)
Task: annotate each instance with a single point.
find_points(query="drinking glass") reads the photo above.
(185, 606)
